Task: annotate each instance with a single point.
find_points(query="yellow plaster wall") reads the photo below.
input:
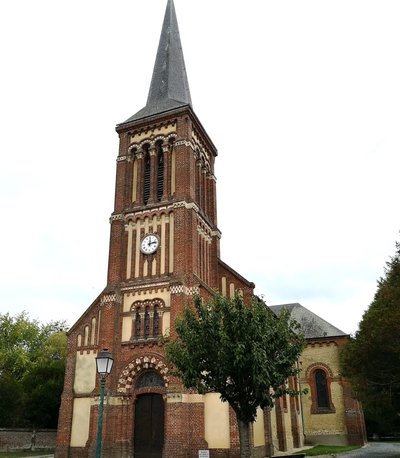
(126, 328)
(80, 422)
(192, 398)
(288, 426)
(216, 420)
(258, 429)
(329, 423)
(85, 373)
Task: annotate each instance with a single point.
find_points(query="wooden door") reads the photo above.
(149, 426)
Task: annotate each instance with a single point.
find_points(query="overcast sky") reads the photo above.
(301, 98)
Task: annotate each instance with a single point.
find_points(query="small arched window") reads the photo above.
(138, 324)
(156, 322)
(321, 387)
(146, 323)
(320, 380)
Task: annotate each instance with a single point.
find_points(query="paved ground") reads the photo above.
(375, 450)
(372, 450)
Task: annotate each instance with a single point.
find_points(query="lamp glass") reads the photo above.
(104, 362)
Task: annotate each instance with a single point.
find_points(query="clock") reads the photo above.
(149, 244)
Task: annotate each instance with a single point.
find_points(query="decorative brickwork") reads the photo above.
(132, 369)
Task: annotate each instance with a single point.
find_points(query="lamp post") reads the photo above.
(104, 363)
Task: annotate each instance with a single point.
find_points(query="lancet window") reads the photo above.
(321, 386)
(138, 323)
(156, 322)
(320, 379)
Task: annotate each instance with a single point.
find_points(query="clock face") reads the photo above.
(149, 244)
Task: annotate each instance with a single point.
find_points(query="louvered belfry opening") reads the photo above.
(160, 171)
(146, 175)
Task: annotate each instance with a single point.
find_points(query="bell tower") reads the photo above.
(164, 249)
(165, 184)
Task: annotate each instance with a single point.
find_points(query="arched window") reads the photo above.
(321, 387)
(146, 175)
(138, 323)
(320, 383)
(156, 322)
(146, 323)
(150, 378)
(160, 171)
(147, 318)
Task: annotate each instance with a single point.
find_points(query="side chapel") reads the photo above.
(165, 248)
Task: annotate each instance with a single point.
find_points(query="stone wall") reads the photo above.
(27, 439)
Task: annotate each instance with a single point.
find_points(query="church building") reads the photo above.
(164, 249)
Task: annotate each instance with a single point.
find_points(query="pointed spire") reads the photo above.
(169, 86)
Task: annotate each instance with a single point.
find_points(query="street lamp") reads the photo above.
(104, 363)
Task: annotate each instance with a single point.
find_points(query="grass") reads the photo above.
(23, 454)
(328, 450)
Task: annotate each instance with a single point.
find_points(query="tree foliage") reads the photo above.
(372, 359)
(32, 364)
(243, 352)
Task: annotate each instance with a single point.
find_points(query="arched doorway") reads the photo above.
(149, 417)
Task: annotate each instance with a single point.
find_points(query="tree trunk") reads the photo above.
(244, 437)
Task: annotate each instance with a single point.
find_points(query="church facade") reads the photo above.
(164, 249)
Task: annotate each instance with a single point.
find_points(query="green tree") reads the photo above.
(243, 352)
(42, 387)
(371, 360)
(32, 357)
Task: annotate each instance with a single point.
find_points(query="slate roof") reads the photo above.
(311, 324)
(169, 88)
